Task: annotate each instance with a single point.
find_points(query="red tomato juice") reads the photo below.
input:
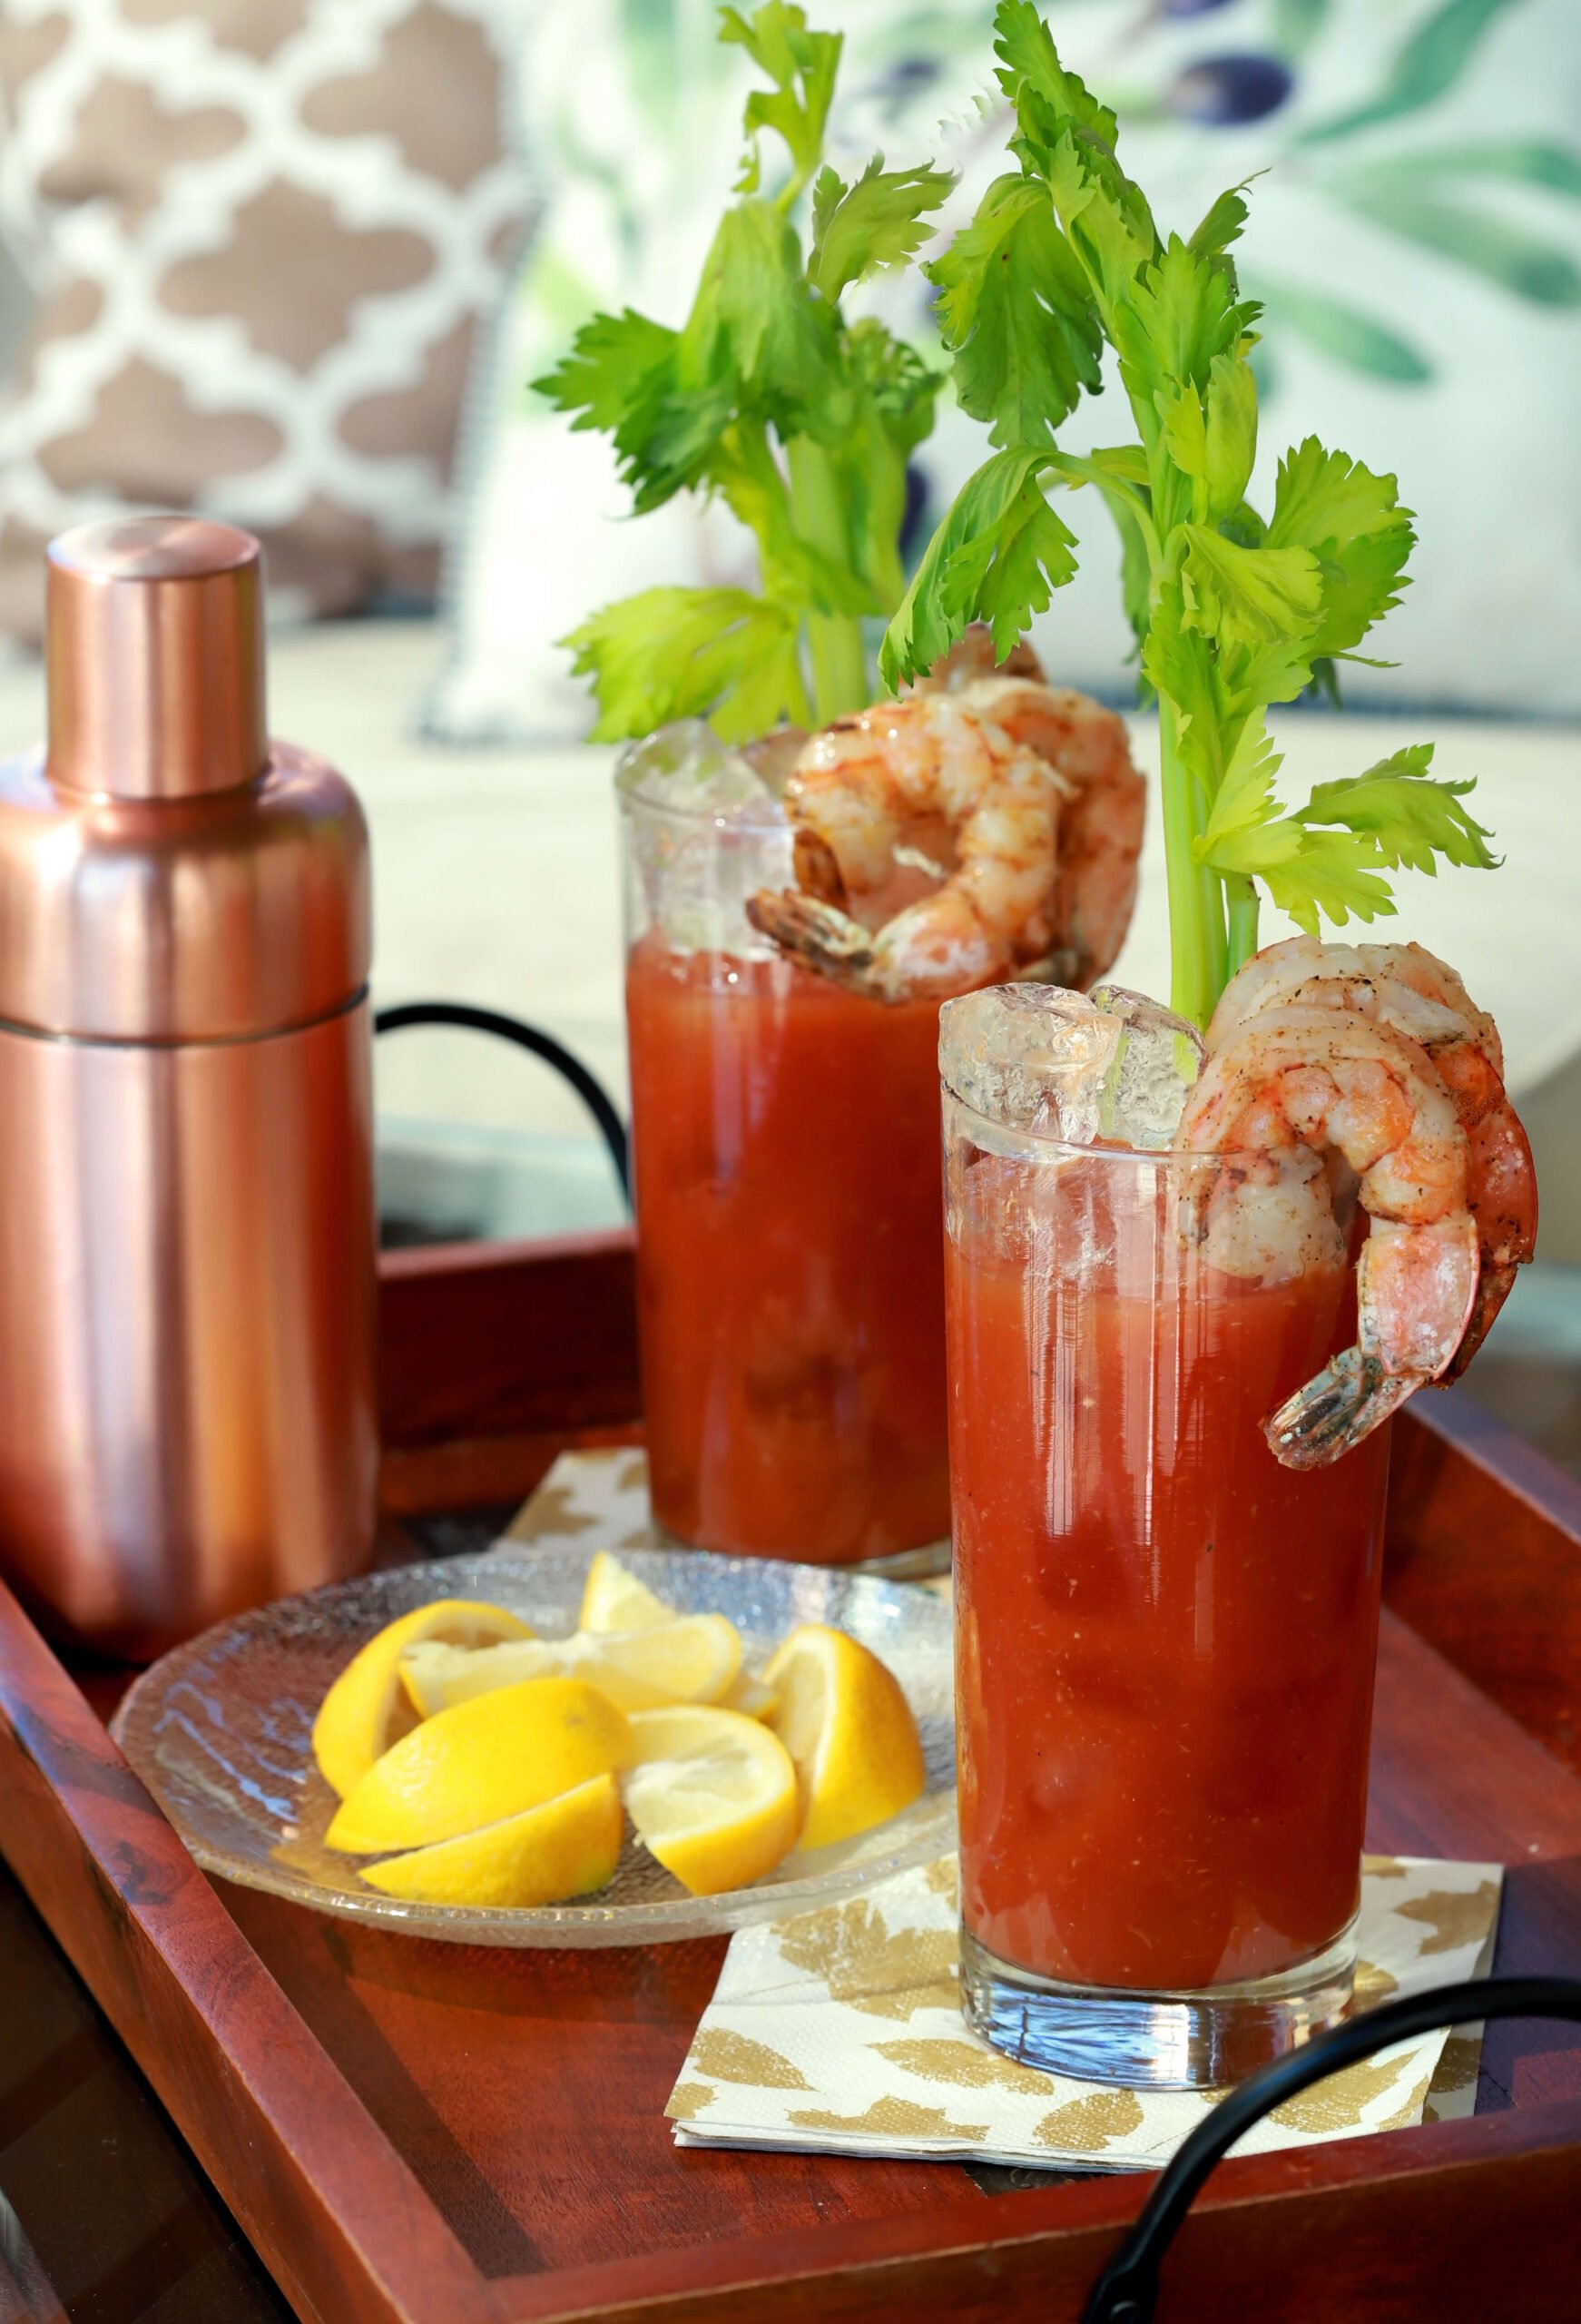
(791, 1291)
(1165, 1640)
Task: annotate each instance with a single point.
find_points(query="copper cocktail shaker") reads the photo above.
(187, 1292)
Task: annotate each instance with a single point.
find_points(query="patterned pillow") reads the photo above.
(263, 233)
(1416, 241)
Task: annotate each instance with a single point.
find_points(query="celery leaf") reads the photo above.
(612, 362)
(1029, 62)
(802, 65)
(722, 655)
(879, 221)
(1350, 520)
(999, 556)
(1016, 309)
(1413, 816)
(1211, 434)
(1248, 596)
(1181, 313)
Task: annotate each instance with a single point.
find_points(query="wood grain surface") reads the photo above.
(1485, 1560)
(443, 2136)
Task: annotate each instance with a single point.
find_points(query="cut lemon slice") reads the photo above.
(693, 1659)
(749, 1696)
(847, 1725)
(615, 1600)
(481, 1761)
(366, 1710)
(712, 1795)
(566, 1847)
(436, 1677)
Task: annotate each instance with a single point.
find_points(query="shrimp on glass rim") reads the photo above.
(1016, 801)
(1288, 1088)
(1408, 988)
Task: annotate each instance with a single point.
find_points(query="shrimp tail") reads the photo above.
(816, 935)
(1348, 1399)
(818, 871)
(1492, 1290)
(1504, 1203)
(1416, 1292)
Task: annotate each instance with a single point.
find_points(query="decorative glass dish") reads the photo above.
(219, 1731)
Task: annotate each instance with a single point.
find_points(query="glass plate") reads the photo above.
(219, 1731)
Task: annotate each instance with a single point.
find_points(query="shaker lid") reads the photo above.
(165, 875)
(154, 641)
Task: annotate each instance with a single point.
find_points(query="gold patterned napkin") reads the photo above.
(602, 1493)
(841, 2031)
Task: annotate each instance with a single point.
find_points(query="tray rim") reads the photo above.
(350, 2232)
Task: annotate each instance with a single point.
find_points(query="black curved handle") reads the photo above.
(1127, 2290)
(591, 1092)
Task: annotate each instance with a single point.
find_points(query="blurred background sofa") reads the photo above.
(293, 262)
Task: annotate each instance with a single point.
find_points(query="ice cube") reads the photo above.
(686, 767)
(773, 756)
(717, 836)
(1111, 1065)
(1160, 1058)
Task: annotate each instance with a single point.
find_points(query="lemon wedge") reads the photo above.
(612, 1598)
(564, 1848)
(850, 1730)
(366, 1710)
(481, 1761)
(749, 1696)
(712, 1795)
(615, 1600)
(693, 1659)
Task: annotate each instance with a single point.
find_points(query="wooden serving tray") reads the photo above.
(416, 2131)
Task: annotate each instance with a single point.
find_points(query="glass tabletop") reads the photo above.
(105, 2217)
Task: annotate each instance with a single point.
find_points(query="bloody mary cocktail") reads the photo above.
(1165, 1641)
(791, 1292)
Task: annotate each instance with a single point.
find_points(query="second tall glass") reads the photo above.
(1165, 1640)
(787, 1174)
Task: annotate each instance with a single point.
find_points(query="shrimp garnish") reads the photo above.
(1336, 1084)
(1014, 804)
(1101, 827)
(1410, 989)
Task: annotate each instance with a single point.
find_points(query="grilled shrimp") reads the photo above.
(1101, 826)
(1101, 829)
(1408, 988)
(1335, 1083)
(1015, 801)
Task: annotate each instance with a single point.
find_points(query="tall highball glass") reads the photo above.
(785, 1132)
(1165, 1641)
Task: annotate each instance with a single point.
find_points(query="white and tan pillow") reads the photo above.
(263, 234)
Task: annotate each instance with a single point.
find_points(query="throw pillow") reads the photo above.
(263, 233)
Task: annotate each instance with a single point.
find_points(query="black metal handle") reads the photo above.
(1127, 2290)
(591, 1092)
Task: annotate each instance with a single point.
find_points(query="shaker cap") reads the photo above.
(167, 875)
(154, 642)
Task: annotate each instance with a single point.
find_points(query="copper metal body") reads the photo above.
(187, 1291)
